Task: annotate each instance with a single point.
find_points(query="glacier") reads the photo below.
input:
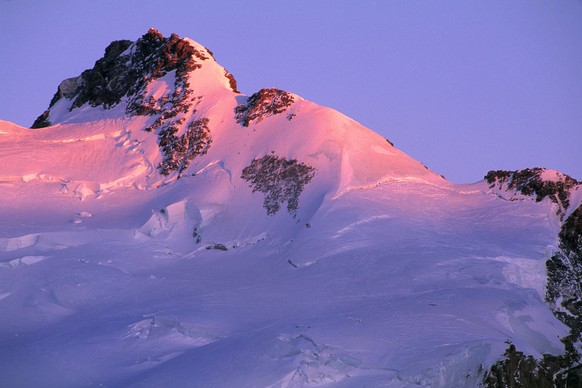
(117, 272)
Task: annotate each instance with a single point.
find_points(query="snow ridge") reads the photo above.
(541, 182)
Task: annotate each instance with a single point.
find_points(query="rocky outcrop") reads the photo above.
(127, 68)
(280, 179)
(262, 104)
(564, 295)
(125, 71)
(517, 370)
(163, 56)
(180, 150)
(42, 121)
(231, 81)
(564, 288)
(530, 182)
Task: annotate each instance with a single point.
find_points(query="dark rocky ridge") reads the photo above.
(264, 103)
(529, 182)
(564, 288)
(126, 69)
(517, 370)
(42, 121)
(564, 295)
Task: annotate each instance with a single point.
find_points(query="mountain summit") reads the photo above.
(130, 73)
(173, 89)
(162, 229)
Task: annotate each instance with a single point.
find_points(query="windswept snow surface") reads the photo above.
(397, 280)
(112, 274)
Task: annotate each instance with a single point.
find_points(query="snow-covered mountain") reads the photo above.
(161, 229)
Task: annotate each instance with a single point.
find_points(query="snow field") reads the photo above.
(388, 275)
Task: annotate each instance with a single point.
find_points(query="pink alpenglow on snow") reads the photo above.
(162, 229)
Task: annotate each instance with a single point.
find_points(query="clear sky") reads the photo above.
(463, 86)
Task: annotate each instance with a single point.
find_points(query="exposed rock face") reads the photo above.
(281, 181)
(564, 288)
(122, 72)
(42, 121)
(125, 71)
(530, 182)
(518, 370)
(105, 84)
(180, 150)
(571, 235)
(231, 81)
(264, 103)
(109, 80)
(564, 295)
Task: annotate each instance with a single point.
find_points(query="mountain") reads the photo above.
(162, 229)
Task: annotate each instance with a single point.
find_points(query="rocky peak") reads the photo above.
(153, 35)
(538, 183)
(126, 70)
(115, 48)
(266, 102)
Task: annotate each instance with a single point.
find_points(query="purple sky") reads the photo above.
(462, 86)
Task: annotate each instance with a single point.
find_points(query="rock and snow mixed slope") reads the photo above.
(161, 229)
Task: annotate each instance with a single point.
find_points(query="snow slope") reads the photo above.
(114, 274)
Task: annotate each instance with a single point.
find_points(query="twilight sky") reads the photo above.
(462, 86)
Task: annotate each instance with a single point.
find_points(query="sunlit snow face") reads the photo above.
(385, 273)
